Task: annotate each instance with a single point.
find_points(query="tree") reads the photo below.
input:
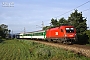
(79, 22)
(63, 21)
(54, 22)
(88, 33)
(4, 30)
(46, 27)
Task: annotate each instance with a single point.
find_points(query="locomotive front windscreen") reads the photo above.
(69, 30)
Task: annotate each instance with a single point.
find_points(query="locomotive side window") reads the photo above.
(61, 30)
(69, 30)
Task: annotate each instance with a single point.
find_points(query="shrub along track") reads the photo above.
(79, 49)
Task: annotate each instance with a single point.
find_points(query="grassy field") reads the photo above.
(29, 50)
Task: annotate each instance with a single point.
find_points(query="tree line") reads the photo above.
(77, 20)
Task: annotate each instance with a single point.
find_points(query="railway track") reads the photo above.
(79, 49)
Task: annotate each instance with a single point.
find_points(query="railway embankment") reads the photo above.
(77, 49)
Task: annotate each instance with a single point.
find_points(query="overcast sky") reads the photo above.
(18, 14)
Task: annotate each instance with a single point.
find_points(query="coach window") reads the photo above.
(61, 30)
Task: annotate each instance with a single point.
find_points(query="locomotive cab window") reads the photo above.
(69, 30)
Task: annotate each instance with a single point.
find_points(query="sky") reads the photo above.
(28, 15)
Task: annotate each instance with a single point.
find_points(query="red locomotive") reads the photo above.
(65, 34)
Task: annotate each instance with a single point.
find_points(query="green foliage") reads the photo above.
(63, 21)
(82, 38)
(79, 22)
(88, 33)
(4, 32)
(56, 23)
(46, 27)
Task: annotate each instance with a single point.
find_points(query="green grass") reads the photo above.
(87, 44)
(13, 50)
(29, 50)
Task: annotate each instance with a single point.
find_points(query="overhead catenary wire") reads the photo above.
(86, 10)
(74, 9)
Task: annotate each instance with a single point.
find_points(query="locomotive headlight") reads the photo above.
(65, 35)
(75, 34)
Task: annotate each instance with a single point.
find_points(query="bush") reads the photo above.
(43, 52)
(88, 33)
(82, 38)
